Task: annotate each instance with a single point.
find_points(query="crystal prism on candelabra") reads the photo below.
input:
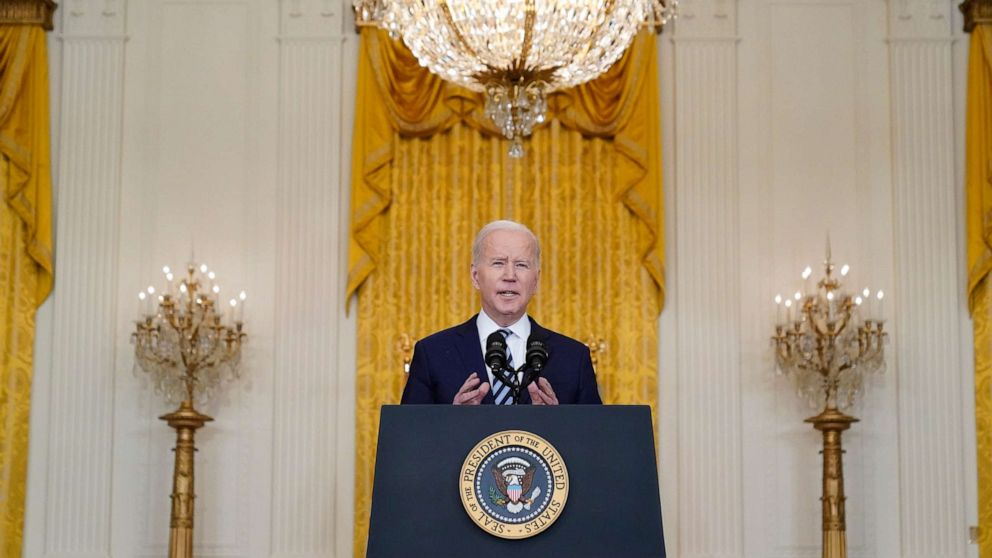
(829, 340)
(184, 339)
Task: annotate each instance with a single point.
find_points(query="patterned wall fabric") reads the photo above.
(983, 412)
(25, 255)
(978, 190)
(428, 173)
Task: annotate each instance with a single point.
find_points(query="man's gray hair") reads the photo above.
(504, 225)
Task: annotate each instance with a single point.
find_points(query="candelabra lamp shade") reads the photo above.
(189, 347)
(828, 340)
(515, 51)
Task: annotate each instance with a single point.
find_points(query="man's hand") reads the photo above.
(472, 391)
(541, 393)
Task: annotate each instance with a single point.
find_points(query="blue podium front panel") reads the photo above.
(612, 507)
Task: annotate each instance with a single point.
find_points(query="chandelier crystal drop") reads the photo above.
(829, 339)
(185, 339)
(515, 51)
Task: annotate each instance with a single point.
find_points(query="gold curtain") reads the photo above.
(978, 185)
(25, 254)
(428, 171)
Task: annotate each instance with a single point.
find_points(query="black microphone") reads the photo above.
(537, 354)
(496, 359)
(537, 358)
(496, 352)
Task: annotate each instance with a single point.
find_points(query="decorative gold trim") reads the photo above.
(28, 12)
(976, 12)
(474, 467)
(404, 345)
(450, 22)
(186, 420)
(597, 345)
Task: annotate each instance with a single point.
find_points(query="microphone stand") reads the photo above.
(509, 378)
(527, 375)
(495, 358)
(517, 386)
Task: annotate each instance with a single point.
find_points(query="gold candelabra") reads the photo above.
(404, 345)
(597, 346)
(182, 341)
(828, 342)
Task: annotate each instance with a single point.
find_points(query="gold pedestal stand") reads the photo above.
(832, 423)
(189, 348)
(828, 344)
(186, 420)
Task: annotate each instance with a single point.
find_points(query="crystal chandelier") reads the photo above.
(515, 51)
(830, 341)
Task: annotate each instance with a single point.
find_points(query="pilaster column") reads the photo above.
(707, 271)
(928, 280)
(88, 177)
(308, 276)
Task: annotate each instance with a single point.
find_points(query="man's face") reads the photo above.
(506, 275)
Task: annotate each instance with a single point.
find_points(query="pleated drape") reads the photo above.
(25, 254)
(978, 185)
(429, 171)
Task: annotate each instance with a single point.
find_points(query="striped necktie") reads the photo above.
(501, 391)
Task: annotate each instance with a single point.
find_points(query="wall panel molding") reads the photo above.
(313, 19)
(308, 283)
(80, 415)
(710, 509)
(929, 279)
(814, 161)
(199, 178)
(93, 18)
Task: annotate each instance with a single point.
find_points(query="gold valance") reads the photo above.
(976, 12)
(27, 12)
(978, 159)
(406, 99)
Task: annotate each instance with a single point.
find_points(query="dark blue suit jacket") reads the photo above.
(442, 362)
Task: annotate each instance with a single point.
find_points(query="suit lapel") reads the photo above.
(536, 329)
(469, 350)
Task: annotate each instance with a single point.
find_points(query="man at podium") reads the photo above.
(448, 366)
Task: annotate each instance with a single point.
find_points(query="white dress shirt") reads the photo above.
(516, 342)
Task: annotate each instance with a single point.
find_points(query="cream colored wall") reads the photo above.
(227, 124)
(223, 125)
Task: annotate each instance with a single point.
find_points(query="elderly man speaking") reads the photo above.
(448, 366)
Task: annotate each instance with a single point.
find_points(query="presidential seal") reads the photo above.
(514, 484)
